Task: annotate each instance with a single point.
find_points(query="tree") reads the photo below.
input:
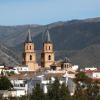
(93, 90)
(54, 91)
(23, 98)
(86, 89)
(37, 93)
(80, 93)
(81, 76)
(12, 73)
(64, 93)
(5, 83)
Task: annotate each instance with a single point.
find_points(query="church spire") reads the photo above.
(47, 36)
(29, 38)
(47, 55)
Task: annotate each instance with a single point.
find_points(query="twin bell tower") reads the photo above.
(29, 54)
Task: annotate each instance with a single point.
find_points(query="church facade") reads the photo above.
(29, 53)
(47, 55)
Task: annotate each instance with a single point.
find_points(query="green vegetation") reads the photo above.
(10, 73)
(85, 90)
(82, 78)
(5, 83)
(37, 93)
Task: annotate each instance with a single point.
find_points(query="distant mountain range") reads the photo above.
(77, 39)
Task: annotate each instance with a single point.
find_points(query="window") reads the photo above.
(30, 57)
(27, 47)
(65, 65)
(62, 67)
(49, 47)
(49, 57)
(30, 47)
(22, 85)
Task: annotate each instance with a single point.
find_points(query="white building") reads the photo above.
(1, 68)
(48, 78)
(21, 83)
(90, 68)
(94, 74)
(19, 69)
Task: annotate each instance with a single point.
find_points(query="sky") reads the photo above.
(20, 12)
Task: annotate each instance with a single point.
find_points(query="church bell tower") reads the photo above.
(47, 55)
(29, 54)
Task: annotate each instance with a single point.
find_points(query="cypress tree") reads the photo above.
(37, 93)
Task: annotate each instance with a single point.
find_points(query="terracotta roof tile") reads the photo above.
(22, 76)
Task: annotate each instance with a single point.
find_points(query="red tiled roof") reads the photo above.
(22, 76)
(57, 75)
(91, 71)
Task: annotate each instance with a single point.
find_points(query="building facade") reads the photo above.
(47, 55)
(29, 54)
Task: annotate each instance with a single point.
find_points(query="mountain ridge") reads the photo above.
(77, 37)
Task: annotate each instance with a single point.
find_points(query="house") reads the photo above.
(94, 74)
(1, 68)
(91, 68)
(21, 83)
(49, 77)
(21, 68)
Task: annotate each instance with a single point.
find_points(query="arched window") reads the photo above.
(65, 65)
(30, 47)
(49, 57)
(30, 57)
(49, 47)
(27, 47)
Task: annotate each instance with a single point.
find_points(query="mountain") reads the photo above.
(77, 39)
(7, 56)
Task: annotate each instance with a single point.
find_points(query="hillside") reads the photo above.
(77, 39)
(7, 56)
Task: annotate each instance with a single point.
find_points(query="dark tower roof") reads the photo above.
(66, 60)
(47, 36)
(29, 38)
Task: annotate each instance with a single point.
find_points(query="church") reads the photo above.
(29, 53)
